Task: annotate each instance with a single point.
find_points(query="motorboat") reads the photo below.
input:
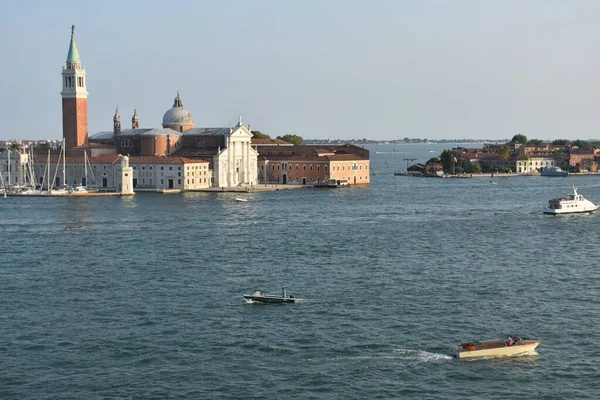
(497, 348)
(573, 204)
(554, 171)
(260, 298)
(241, 199)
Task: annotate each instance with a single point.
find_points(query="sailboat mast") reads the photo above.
(64, 182)
(85, 161)
(48, 167)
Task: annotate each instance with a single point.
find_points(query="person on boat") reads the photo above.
(509, 342)
(284, 293)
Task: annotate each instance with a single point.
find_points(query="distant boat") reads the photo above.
(554, 171)
(496, 348)
(573, 204)
(241, 199)
(493, 182)
(258, 297)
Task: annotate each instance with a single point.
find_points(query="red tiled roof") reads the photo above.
(270, 142)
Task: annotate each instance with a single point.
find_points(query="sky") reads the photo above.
(323, 69)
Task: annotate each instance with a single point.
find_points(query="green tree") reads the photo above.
(15, 146)
(42, 146)
(446, 160)
(504, 152)
(433, 160)
(535, 142)
(487, 167)
(294, 139)
(475, 167)
(561, 142)
(561, 158)
(260, 135)
(520, 138)
(584, 144)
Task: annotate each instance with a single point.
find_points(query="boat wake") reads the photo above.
(420, 356)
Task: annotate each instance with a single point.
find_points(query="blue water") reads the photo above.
(141, 298)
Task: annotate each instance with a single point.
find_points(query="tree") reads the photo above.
(294, 139)
(535, 142)
(433, 160)
(519, 139)
(561, 158)
(447, 159)
(260, 135)
(15, 146)
(42, 146)
(561, 142)
(583, 144)
(487, 167)
(504, 152)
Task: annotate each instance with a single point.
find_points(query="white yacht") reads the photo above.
(573, 204)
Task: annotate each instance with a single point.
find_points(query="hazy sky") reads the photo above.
(319, 69)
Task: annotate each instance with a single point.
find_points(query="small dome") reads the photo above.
(178, 115)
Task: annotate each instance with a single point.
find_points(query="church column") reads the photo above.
(229, 158)
(247, 162)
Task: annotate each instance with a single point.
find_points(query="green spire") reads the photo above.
(73, 55)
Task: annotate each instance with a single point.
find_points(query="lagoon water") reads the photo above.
(141, 298)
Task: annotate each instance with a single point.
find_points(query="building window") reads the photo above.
(310, 167)
(297, 167)
(318, 167)
(161, 168)
(304, 167)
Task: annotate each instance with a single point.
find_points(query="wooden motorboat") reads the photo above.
(258, 297)
(497, 347)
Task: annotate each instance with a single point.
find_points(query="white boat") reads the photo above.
(554, 171)
(573, 204)
(497, 348)
(258, 297)
(241, 199)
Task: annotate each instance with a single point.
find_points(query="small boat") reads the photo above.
(241, 199)
(493, 182)
(573, 204)
(497, 348)
(258, 297)
(554, 171)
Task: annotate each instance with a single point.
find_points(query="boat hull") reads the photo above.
(269, 299)
(550, 211)
(499, 351)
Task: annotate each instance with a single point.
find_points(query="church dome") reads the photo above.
(178, 115)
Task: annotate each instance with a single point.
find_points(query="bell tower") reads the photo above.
(74, 98)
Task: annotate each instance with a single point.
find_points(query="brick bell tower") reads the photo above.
(74, 99)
